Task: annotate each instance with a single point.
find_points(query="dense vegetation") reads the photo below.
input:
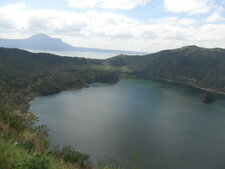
(25, 75)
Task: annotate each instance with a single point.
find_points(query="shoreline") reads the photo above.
(209, 89)
(27, 102)
(88, 85)
(192, 85)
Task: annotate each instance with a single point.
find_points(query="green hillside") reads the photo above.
(27, 74)
(191, 65)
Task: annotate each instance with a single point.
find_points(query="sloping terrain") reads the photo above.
(191, 64)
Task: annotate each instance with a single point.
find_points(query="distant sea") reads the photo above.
(92, 55)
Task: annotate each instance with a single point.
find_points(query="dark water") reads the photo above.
(148, 124)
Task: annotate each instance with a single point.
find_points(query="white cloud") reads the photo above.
(107, 4)
(187, 21)
(188, 6)
(215, 17)
(8, 13)
(175, 21)
(108, 29)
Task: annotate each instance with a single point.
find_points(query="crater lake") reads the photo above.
(147, 124)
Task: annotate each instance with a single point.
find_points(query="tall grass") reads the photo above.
(10, 155)
(14, 157)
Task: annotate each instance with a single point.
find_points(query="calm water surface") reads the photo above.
(92, 55)
(148, 124)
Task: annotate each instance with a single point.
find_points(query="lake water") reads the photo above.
(147, 124)
(92, 55)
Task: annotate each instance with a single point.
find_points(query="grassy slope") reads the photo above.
(15, 157)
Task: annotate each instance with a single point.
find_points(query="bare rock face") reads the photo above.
(208, 97)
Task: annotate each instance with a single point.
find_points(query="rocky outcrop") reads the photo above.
(208, 97)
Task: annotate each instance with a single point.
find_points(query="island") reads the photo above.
(208, 97)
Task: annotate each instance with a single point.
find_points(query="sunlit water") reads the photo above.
(147, 124)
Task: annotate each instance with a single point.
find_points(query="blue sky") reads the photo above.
(141, 25)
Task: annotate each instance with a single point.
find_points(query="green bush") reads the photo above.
(14, 121)
(28, 145)
(36, 161)
(68, 154)
(42, 130)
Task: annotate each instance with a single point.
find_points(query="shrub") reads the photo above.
(42, 130)
(33, 141)
(29, 145)
(37, 161)
(14, 121)
(68, 154)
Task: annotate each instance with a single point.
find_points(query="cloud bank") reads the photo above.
(107, 4)
(108, 29)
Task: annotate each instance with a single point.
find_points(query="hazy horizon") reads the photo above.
(144, 25)
(91, 55)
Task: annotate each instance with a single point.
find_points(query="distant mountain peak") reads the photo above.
(42, 41)
(42, 36)
(191, 46)
(188, 48)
